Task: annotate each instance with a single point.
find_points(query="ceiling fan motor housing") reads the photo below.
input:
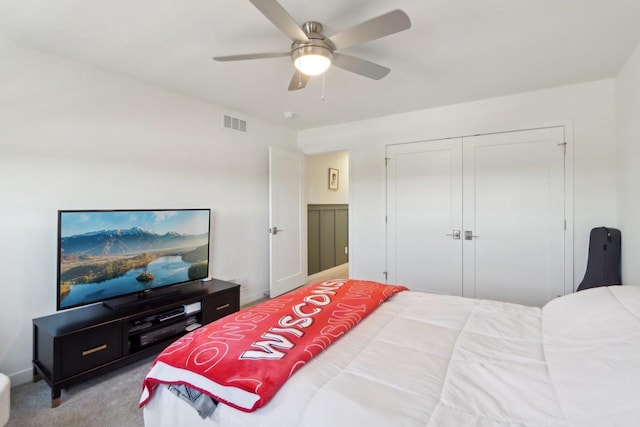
(318, 44)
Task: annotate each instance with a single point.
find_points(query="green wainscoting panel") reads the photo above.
(327, 236)
(327, 239)
(313, 240)
(342, 236)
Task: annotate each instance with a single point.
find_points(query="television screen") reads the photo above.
(108, 254)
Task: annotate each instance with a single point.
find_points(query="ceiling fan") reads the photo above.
(312, 52)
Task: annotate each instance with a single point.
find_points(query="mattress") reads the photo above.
(425, 359)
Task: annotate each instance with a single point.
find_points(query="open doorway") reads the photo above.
(327, 182)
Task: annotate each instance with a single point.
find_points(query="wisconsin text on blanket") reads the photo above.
(243, 359)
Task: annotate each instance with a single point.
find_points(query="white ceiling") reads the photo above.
(455, 51)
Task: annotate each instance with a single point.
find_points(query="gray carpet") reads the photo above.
(108, 400)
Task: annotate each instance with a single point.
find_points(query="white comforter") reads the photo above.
(433, 360)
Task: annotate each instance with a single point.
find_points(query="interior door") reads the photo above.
(287, 221)
(424, 215)
(514, 216)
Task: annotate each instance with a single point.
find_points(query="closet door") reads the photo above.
(424, 207)
(514, 209)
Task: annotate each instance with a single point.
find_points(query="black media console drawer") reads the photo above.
(226, 304)
(220, 304)
(89, 349)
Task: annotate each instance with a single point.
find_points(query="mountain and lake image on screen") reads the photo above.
(106, 254)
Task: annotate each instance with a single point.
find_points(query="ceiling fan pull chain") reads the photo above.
(323, 87)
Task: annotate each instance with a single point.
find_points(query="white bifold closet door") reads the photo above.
(503, 193)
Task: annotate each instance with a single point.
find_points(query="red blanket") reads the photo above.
(244, 358)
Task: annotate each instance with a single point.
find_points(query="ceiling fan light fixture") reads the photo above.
(312, 60)
(313, 53)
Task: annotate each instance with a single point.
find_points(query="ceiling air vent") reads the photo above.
(235, 123)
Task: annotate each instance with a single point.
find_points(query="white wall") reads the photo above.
(628, 115)
(589, 108)
(317, 167)
(75, 137)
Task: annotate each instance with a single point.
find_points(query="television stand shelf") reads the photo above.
(76, 345)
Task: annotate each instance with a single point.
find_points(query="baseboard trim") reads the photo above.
(21, 377)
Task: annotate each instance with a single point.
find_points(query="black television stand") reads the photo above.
(78, 344)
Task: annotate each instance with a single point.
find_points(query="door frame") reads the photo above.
(567, 125)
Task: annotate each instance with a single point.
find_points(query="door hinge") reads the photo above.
(386, 161)
(564, 147)
(386, 275)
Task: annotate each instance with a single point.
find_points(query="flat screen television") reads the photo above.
(107, 254)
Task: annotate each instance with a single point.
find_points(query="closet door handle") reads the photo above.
(275, 230)
(455, 234)
(468, 235)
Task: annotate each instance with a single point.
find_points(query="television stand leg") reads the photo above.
(36, 376)
(55, 396)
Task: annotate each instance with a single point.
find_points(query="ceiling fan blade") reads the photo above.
(359, 66)
(298, 81)
(383, 25)
(280, 18)
(251, 56)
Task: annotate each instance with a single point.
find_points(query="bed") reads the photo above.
(425, 359)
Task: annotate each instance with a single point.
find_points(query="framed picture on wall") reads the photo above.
(334, 176)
